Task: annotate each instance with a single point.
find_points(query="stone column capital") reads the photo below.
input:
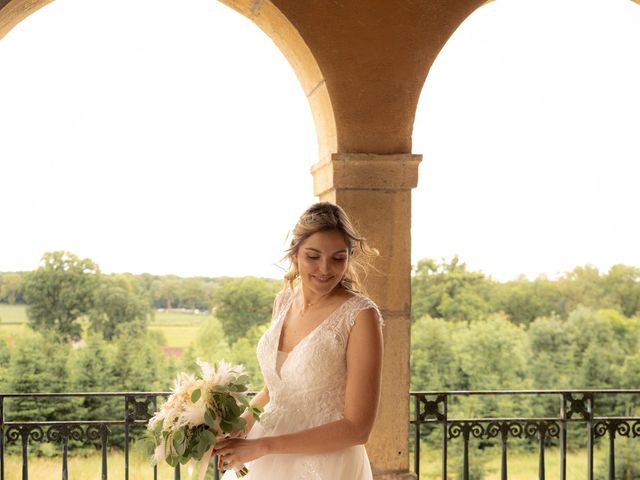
(366, 171)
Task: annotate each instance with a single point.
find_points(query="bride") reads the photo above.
(321, 360)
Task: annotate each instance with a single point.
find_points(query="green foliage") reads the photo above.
(11, 290)
(59, 292)
(434, 365)
(90, 371)
(39, 365)
(138, 364)
(243, 302)
(622, 285)
(583, 286)
(524, 301)
(118, 305)
(165, 290)
(170, 291)
(5, 357)
(448, 290)
(243, 351)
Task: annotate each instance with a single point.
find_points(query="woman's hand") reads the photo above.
(235, 452)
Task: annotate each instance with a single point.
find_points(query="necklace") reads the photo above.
(308, 305)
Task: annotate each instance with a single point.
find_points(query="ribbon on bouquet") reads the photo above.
(202, 465)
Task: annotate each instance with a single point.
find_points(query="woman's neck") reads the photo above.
(312, 299)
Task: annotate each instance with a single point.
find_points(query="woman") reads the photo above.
(321, 359)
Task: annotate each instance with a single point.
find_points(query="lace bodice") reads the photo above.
(310, 387)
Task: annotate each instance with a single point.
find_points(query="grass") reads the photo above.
(179, 317)
(178, 327)
(88, 468)
(520, 465)
(12, 314)
(13, 320)
(176, 335)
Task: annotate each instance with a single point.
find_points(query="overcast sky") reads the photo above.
(178, 140)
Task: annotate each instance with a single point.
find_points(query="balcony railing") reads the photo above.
(563, 413)
(542, 417)
(136, 409)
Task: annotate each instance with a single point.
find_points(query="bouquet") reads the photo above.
(199, 409)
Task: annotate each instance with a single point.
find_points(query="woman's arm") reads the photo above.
(364, 364)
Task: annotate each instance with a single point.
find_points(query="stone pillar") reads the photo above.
(375, 190)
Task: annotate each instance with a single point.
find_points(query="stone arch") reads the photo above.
(269, 18)
(362, 68)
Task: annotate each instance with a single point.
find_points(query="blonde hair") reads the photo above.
(322, 217)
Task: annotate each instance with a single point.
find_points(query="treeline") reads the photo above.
(67, 294)
(162, 291)
(449, 290)
(470, 332)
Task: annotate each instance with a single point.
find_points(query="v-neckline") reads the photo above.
(311, 332)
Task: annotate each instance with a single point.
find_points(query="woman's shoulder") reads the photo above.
(282, 298)
(359, 302)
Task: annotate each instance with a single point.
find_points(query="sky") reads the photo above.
(183, 142)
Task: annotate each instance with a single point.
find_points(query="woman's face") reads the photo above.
(322, 261)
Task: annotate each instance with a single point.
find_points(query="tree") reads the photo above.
(5, 357)
(622, 284)
(118, 304)
(524, 301)
(243, 302)
(165, 291)
(90, 371)
(59, 292)
(448, 290)
(551, 353)
(11, 288)
(243, 352)
(39, 364)
(433, 363)
(584, 286)
(138, 363)
(194, 294)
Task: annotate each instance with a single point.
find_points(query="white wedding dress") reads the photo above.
(307, 392)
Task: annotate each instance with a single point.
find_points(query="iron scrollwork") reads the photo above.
(475, 429)
(55, 433)
(544, 429)
(614, 426)
(14, 433)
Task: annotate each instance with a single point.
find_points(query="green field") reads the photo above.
(178, 327)
(13, 320)
(12, 314)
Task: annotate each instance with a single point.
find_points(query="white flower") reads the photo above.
(207, 370)
(192, 415)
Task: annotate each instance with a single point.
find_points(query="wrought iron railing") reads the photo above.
(433, 413)
(437, 412)
(136, 409)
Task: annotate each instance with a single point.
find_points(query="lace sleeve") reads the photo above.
(281, 299)
(343, 322)
(363, 303)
